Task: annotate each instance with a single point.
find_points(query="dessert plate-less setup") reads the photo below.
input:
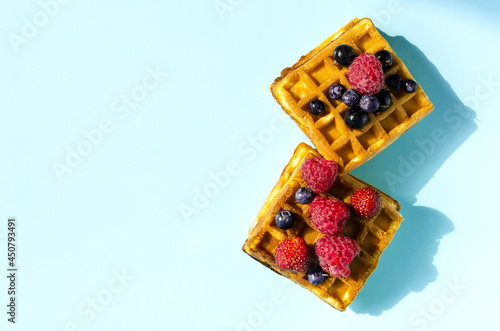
(321, 227)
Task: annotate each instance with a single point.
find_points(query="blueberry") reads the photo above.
(350, 97)
(409, 85)
(384, 98)
(304, 195)
(316, 275)
(335, 91)
(385, 58)
(369, 103)
(316, 106)
(355, 118)
(395, 82)
(344, 54)
(284, 219)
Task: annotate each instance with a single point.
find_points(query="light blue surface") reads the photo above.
(125, 237)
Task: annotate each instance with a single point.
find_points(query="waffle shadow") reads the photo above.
(403, 168)
(407, 264)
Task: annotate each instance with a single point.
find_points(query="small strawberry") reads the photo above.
(335, 254)
(366, 202)
(293, 254)
(328, 215)
(319, 174)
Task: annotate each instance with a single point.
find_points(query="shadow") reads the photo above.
(406, 265)
(402, 170)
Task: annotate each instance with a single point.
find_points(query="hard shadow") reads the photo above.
(402, 170)
(406, 265)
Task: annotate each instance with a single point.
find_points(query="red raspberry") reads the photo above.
(292, 254)
(366, 202)
(328, 215)
(335, 254)
(366, 74)
(319, 174)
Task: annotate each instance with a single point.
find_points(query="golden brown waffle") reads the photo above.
(372, 235)
(315, 72)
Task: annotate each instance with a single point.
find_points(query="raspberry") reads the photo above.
(335, 254)
(328, 215)
(366, 74)
(292, 254)
(319, 174)
(366, 202)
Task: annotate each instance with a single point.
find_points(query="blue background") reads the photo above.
(144, 231)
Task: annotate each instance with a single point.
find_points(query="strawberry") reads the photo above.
(319, 174)
(366, 202)
(293, 254)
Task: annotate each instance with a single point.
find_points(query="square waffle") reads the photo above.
(315, 72)
(372, 235)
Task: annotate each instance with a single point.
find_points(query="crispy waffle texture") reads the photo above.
(372, 235)
(315, 72)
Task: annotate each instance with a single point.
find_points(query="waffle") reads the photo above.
(315, 72)
(372, 235)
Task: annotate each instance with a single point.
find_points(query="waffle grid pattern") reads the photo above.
(372, 235)
(311, 77)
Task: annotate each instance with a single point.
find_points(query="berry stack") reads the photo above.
(352, 95)
(321, 229)
(367, 79)
(328, 215)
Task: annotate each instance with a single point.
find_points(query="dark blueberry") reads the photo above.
(409, 85)
(284, 219)
(385, 58)
(384, 98)
(335, 91)
(316, 275)
(304, 195)
(316, 106)
(355, 118)
(369, 103)
(344, 54)
(395, 82)
(350, 97)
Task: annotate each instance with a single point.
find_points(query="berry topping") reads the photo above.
(395, 82)
(366, 74)
(292, 254)
(384, 98)
(319, 174)
(335, 254)
(409, 85)
(284, 219)
(304, 195)
(350, 97)
(344, 54)
(366, 202)
(316, 275)
(369, 103)
(385, 58)
(355, 118)
(316, 106)
(335, 91)
(328, 215)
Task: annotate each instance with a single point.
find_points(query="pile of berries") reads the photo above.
(328, 215)
(367, 79)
